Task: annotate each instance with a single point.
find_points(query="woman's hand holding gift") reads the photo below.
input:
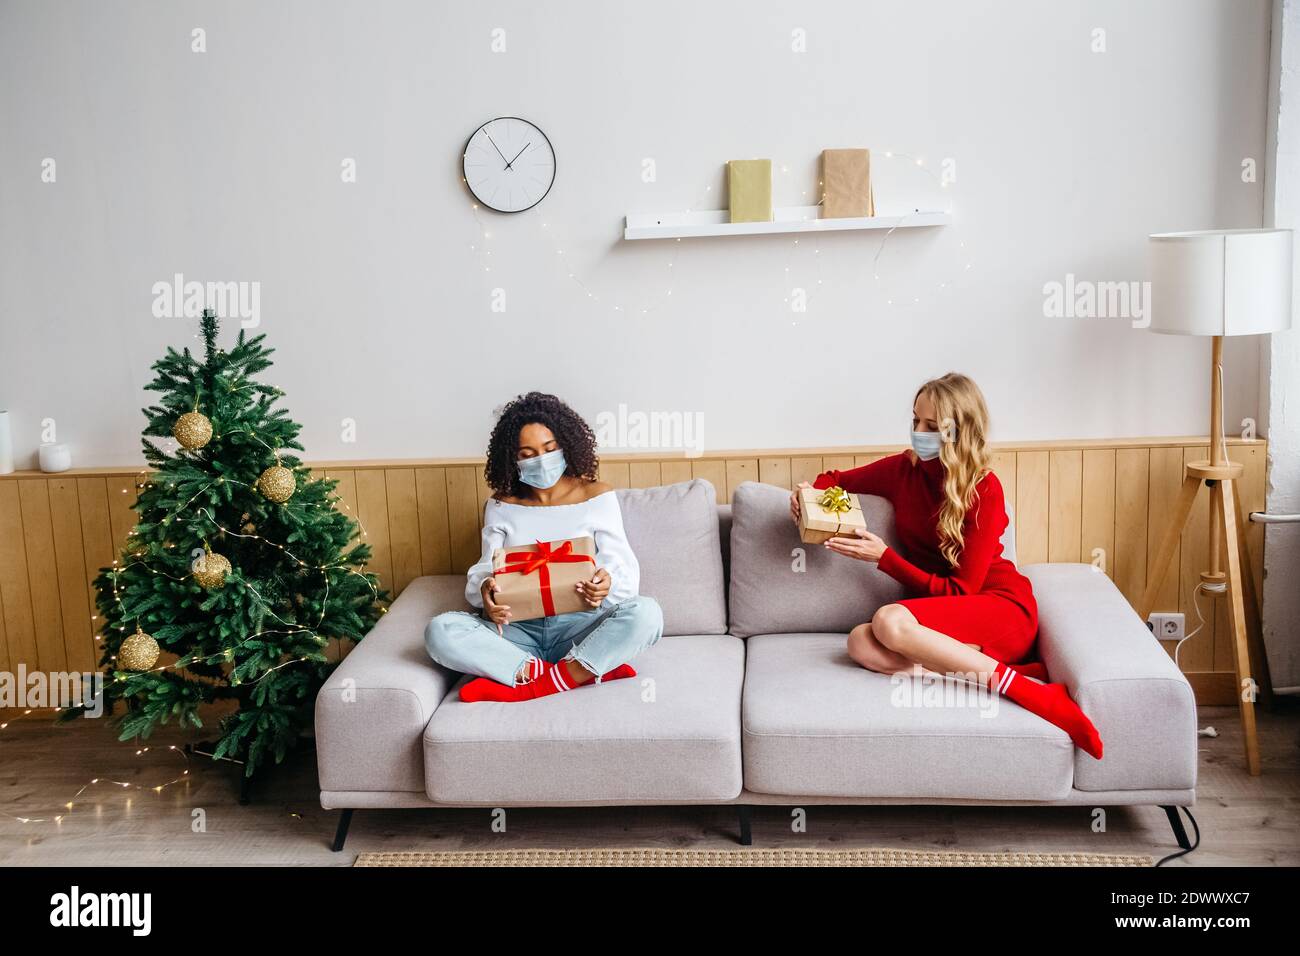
(865, 546)
(498, 614)
(597, 589)
(795, 508)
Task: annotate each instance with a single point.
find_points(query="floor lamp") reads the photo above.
(1217, 283)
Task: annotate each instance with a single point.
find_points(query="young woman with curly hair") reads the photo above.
(970, 611)
(541, 467)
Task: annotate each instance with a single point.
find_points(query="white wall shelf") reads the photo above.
(716, 222)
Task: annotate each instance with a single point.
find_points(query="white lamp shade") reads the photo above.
(1221, 282)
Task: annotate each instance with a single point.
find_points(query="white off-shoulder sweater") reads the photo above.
(507, 525)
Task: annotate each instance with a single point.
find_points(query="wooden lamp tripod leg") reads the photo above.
(1226, 499)
(1254, 627)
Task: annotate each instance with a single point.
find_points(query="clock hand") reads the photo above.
(518, 154)
(498, 149)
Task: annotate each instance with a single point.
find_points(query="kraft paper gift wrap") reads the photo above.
(749, 182)
(820, 522)
(846, 184)
(539, 580)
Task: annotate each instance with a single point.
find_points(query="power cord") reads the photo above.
(1195, 843)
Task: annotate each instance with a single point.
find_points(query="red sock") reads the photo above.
(1051, 702)
(554, 679)
(1036, 669)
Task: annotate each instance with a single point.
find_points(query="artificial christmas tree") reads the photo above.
(243, 583)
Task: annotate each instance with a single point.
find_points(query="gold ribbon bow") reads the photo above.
(835, 500)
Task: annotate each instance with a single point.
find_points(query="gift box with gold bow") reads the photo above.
(825, 513)
(540, 580)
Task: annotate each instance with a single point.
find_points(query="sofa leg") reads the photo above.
(746, 835)
(341, 834)
(1180, 832)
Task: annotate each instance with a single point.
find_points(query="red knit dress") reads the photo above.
(984, 600)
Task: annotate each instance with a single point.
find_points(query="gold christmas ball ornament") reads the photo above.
(193, 430)
(210, 570)
(139, 652)
(277, 484)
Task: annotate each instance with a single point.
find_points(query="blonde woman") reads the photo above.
(969, 610)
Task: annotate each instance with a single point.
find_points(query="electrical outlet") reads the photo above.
(1167, 626)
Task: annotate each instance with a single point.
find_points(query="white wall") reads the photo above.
(1282, 542)
(226, 166)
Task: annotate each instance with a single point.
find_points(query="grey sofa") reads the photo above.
(751, 699)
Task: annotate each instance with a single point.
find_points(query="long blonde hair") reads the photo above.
(963, 426)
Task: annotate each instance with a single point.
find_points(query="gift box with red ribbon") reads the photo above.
(540, 580)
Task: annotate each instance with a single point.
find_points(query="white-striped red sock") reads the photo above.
(555, 679)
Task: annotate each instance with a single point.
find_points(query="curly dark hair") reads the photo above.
(573, 435)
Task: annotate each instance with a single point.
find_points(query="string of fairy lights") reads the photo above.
(480, 247)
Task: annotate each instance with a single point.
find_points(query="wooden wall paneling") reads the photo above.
(346, 492)
(70, 562)
(424, 518)
(644, 474)
(1032, 502)
(431, 502)
(1129, 562)
(738, 470)
(616, 473)
(714, 471)
(1198, 653)
(403, 525)
(4, 636)
(1098, 521)
(1004, 467)
(837, 462)
(464, 517)
(1065, 503)
(675, 471)
(122, 494)
(804, 469)
(20, 628)
(1165, 477)
(42, 573)
(775, 471)
(372, 507)
(860, 460)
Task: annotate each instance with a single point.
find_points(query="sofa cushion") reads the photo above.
(817, 724)
(673, 530)
(672, 733)
(780, 584)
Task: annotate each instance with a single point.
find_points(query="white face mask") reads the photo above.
(542, 471)
(926, 445)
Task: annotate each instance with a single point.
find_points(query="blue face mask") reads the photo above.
(544, 470)
(926, 445)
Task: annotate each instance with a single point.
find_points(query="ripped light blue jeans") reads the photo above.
(599, 639)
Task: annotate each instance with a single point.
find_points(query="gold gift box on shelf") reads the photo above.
(749, 185)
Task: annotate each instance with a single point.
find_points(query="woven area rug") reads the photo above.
(870, 856)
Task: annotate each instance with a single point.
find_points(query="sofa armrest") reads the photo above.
(1092, 641)
(371, 713)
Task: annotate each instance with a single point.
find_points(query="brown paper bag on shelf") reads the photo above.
(846, 184)
(539, 580)
(819, 522)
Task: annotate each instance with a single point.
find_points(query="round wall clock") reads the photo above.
(509, 164)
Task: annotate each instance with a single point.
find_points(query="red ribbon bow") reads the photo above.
(526, 562)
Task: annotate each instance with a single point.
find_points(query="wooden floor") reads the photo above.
(1245, 821)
